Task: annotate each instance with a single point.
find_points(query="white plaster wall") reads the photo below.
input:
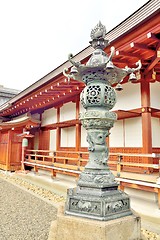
(52, 142)
(36, 141)
(129, 98)
(68, 112)
(84, 143)
(81, 109)
(116, 137)
(155, 94)
(68, 137)
(64, 137)
(49, 116)
(133, 132)
(155, 132)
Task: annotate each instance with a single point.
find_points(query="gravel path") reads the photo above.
(23, 216)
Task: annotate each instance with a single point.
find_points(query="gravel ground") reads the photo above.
(24, 216)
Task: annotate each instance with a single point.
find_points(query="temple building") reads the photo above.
(49, 109)
(6, 94)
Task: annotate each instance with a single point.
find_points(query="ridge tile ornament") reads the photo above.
(96, 195)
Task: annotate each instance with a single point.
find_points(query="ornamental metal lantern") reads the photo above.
(96, 195)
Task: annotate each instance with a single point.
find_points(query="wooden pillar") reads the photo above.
(159, 198)
(78, 126)
(146, 120)
(8, 155)
(58, 138)
(40, 131)
(24, 148)
(58, 131)
(121, 186)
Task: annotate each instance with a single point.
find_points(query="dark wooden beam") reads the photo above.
(155, 59)
(141, 46)
(123, 114)
(152, 36)
(127, 54)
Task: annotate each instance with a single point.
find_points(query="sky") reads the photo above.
(36, 36)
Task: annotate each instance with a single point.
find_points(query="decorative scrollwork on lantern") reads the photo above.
(93, 95)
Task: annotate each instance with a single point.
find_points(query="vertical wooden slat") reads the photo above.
(3, 147)
(8, 150)
(16, 149)
(53, 161)
(44, 140)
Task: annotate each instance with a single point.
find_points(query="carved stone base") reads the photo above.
(100, 204)
(97, 178)
(70, 227)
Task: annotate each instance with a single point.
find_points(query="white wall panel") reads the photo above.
(155, 94)
(155, 132)
(116, 138)
(129, 98)
(68, 111)
(68, 137)
(52, 142)
(49, 116)
(133, 132)
(64, 137)
(84, 143)
(81, 109)
(36, 141)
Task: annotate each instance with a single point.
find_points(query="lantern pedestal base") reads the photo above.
(104, 204)
(70, 227)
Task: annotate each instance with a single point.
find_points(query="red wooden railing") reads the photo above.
(75, 161)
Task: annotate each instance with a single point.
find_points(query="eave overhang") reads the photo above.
(26, 122)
